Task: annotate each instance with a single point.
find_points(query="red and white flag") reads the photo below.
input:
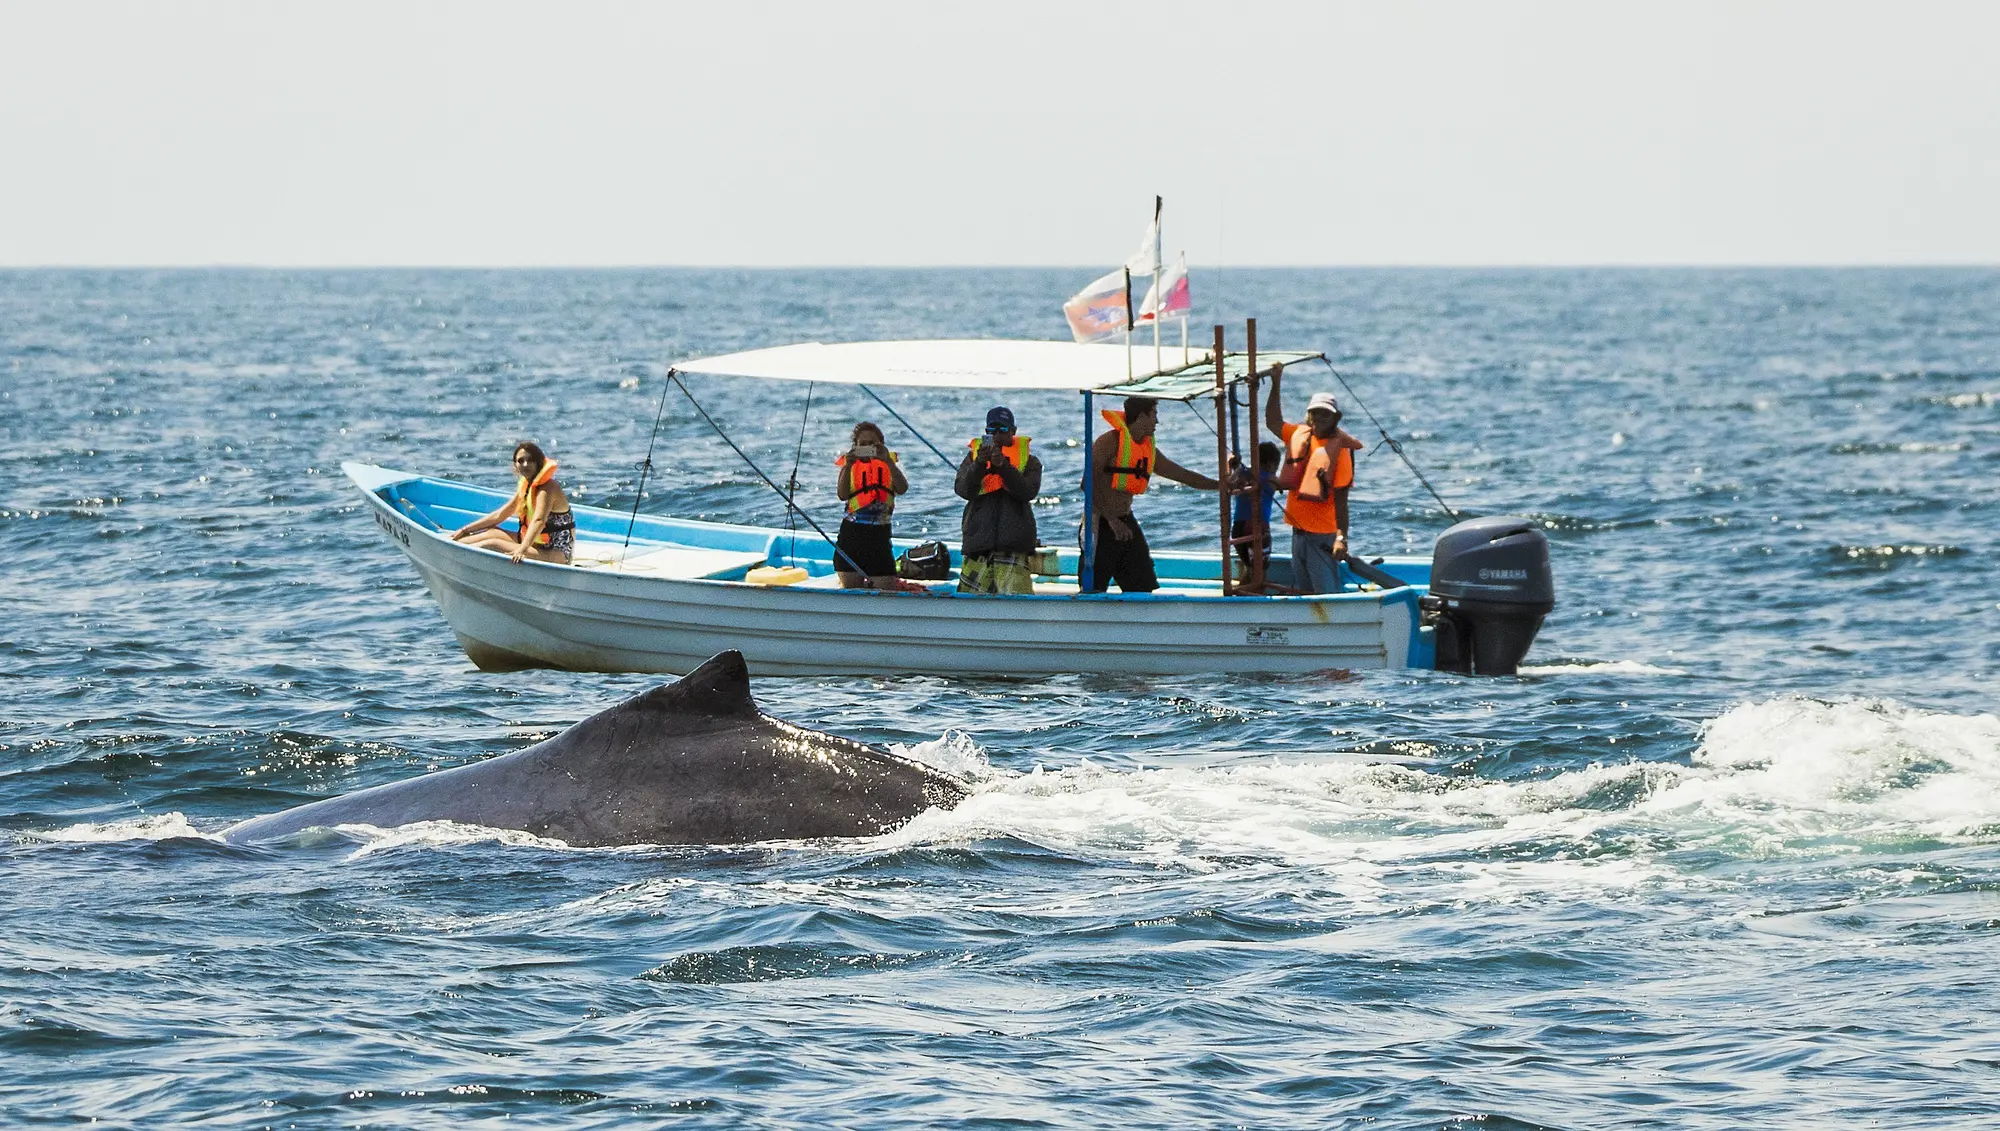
(1101, 309)
(1174, 283)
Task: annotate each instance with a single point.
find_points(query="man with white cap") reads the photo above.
(1319, 470)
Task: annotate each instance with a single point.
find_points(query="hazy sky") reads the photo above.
(1007, 133)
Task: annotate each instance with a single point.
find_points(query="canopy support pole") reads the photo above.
(1087, 562)
(1222, 477)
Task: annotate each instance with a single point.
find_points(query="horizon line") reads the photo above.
(1580, 266)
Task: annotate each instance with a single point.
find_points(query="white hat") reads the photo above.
(1323, 400)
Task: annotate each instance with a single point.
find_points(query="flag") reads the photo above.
(1141, 261)
(1174, 282)
(1101, 309)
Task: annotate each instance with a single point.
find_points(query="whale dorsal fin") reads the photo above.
(715, 694)
(720, 687)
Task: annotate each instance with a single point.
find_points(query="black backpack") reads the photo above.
(925, 561)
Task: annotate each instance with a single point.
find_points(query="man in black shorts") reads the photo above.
(1123, 462)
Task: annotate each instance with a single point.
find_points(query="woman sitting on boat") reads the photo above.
(868, 481)
(547, 529)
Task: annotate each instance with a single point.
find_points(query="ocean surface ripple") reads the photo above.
(1726, 854)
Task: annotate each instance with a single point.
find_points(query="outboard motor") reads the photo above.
(1490, 588)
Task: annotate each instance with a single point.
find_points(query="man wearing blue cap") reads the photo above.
(998, 481)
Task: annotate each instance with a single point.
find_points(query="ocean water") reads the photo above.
(1726, 854)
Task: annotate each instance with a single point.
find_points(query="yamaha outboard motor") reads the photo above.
(1490, 588)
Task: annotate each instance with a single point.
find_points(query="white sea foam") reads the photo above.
(1780, 777)
(163, 826)
(1794, 769)
(954, 752)
(1786, 776)
(1606, 667)
(437, 834)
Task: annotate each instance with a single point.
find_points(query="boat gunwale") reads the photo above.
(372, 491)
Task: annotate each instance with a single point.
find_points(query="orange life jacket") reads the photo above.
(526, 509)
(1305, 507)
(1015, 452)
(1132, 468)
(870, 480)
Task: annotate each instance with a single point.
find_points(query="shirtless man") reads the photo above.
(1123, 462)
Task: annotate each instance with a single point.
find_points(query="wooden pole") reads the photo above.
(1222, 458)
(1257, 525)
(1250, 343)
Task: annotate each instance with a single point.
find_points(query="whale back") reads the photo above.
(691, 762)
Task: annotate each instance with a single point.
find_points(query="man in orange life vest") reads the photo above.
(1319, 469)
(998, 480)
(1123, 462)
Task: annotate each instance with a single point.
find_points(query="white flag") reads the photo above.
(1142, 260)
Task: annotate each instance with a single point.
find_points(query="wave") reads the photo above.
(1913, 447)
(1791, 770)
(1889, 554)
(1965, 400)
(1787, 777)
(1599, 667)
(163, 826)
(954, 752)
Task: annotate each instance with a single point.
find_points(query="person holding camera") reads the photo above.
(998, 480)
(1319, 470)
(867, 479)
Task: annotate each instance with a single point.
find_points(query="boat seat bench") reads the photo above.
(670, 561)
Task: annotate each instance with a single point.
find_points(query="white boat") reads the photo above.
(647, 593)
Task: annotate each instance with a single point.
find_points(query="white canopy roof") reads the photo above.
(962, 364)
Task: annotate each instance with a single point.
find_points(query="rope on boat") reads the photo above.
(1394, 444)
(645, 469)
(1200, 417)
(942, 458)
(752, 465)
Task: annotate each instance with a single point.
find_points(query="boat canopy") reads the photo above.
(991, 364)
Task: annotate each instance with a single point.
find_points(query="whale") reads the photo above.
(689, 762)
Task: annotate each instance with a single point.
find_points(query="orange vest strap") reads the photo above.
(869, 482)
(1015, 452)
(526, 509)
(1132, 468)
(1305, 508)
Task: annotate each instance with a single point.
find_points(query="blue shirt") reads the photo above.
(1267, 487)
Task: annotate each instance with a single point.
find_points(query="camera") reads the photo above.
(867, 451)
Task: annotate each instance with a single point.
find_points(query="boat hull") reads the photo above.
(510, 615)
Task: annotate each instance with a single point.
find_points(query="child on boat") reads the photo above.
(541, 510)
(1256, 491)
(867, 479)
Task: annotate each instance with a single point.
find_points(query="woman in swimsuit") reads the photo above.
(548, 530)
